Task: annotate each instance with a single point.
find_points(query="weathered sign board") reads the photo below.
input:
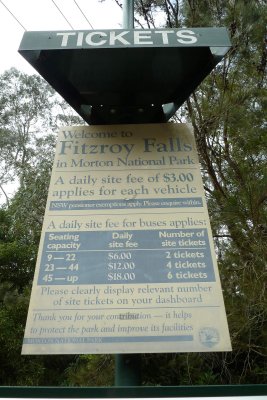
(126, 261)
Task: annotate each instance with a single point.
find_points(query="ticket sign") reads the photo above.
(126, 261)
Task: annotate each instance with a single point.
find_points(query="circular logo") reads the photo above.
(209, 337)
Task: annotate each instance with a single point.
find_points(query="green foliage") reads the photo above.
(17, 262)
(18, 370)
(15, 370)
(18, 251)
(179, 369)
(26, 109)
(30, 199)
(17, 259)
(91, 370)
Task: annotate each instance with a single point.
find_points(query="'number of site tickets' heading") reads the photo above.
(126, 258)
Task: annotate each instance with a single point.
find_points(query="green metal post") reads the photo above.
(127, 370)
(128, 14)
(127, 366)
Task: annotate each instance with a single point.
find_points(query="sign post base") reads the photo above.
(127, 370)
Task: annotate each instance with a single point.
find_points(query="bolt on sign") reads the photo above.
(126, 261)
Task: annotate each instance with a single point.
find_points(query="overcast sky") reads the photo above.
(42, 15)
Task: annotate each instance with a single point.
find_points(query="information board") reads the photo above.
(126, 261)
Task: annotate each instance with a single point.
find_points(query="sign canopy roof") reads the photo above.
(125, 76)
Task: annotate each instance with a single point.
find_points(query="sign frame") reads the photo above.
(134, 391)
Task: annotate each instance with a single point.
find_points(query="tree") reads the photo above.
(29, 112)
(227, 115)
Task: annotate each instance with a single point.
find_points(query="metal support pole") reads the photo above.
(127, 370)
(128, 14)
(127, 366)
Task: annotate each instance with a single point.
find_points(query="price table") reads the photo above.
(134, 256)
